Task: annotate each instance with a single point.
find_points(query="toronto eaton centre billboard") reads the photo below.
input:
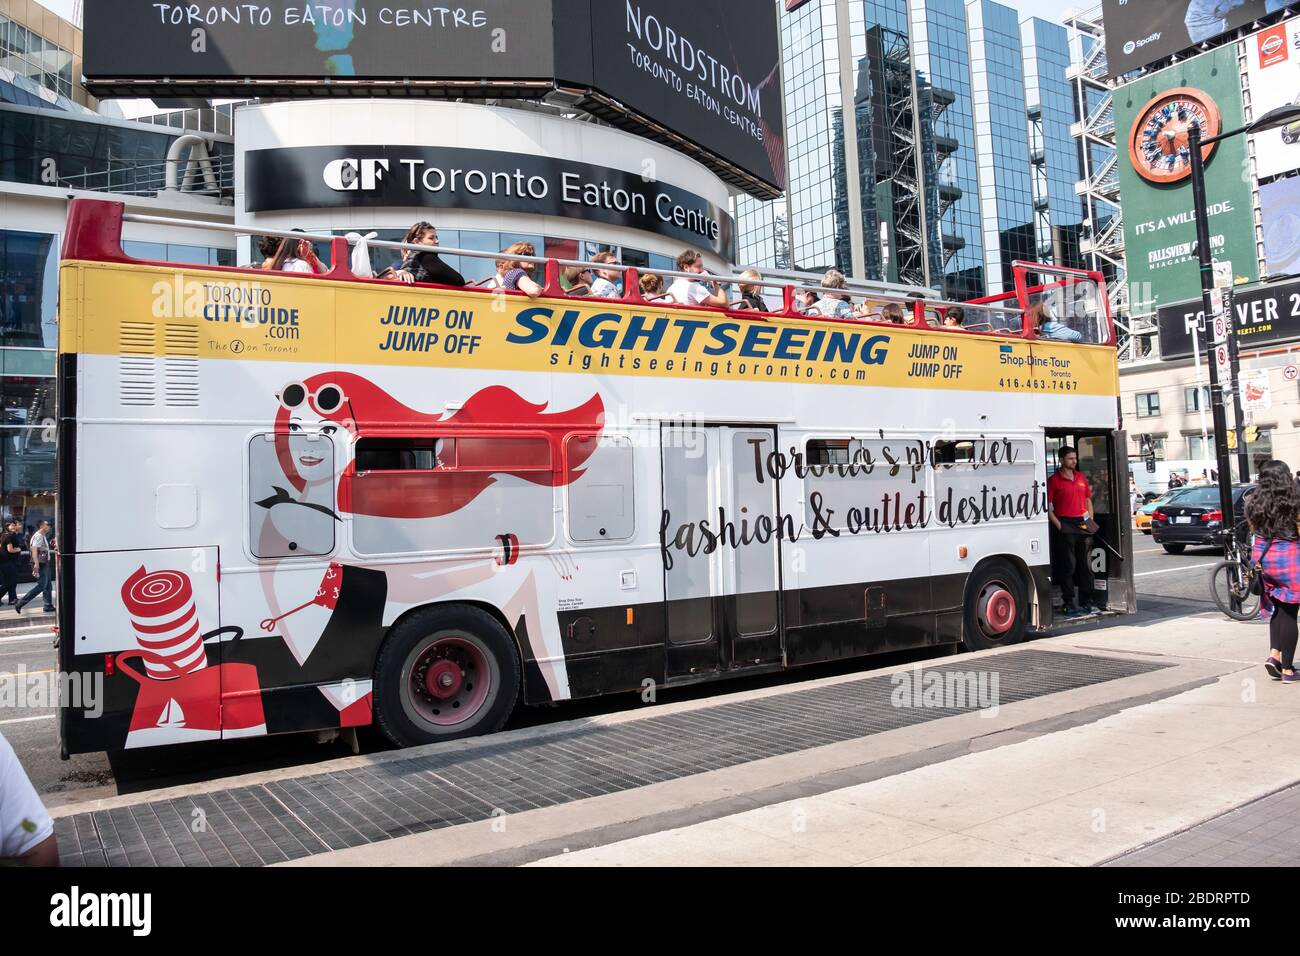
(690, 73)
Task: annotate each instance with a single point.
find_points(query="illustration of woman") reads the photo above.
(416, 484)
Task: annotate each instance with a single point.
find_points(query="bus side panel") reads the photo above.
(854, 620)
(65, 522)
(146, 665)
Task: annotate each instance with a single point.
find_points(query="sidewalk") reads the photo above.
(1079, 796)
(32, 616)
(1104, 741)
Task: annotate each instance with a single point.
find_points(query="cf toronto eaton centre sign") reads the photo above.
(324, 177)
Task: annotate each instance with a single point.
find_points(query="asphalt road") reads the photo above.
(1168, 586)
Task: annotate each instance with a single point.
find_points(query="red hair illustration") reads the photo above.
(495, 433)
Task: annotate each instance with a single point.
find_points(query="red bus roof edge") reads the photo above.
(94, 231)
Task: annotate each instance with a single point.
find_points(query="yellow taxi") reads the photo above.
(1142, 520)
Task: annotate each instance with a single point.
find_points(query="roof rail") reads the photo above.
(95, 232)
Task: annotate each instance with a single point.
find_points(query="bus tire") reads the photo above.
(445, 673)
(996, 608)
(1174, 548)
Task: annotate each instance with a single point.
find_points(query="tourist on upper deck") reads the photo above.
(297, 255)
(268, 246)
(513, 274)
(425, 266)
(691, 292)
(892, 312)
(575, 280)
(832, 305)
(751, 294)
(954, 317)
(603, 286)
(652, 288)
(1049, 327)
(805, 300)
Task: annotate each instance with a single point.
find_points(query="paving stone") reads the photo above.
(301, 816)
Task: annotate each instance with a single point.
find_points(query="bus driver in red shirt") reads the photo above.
(1069, 499)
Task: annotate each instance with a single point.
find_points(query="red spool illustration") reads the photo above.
(166, 622)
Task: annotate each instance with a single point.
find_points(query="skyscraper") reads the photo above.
(946, 97)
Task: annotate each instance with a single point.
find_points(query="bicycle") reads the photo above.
(1235, 582)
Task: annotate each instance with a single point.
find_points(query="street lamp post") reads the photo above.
(1281, 116)
(1206, 260)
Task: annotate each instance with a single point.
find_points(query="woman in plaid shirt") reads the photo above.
(1273, 512)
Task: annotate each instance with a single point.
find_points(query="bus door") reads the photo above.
(722, 564)
(1103, 459)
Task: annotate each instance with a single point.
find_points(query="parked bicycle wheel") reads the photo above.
(1230, 586)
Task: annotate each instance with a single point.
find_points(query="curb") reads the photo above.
(9, 621)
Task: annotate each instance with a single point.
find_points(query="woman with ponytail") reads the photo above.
(1272, 513)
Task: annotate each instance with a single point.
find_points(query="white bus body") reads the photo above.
(299, 503)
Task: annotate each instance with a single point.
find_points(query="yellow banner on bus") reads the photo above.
(134, 310)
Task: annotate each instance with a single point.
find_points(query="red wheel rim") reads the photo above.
(449, 681)
(997, 610)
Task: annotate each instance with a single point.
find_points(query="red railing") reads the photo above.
(94, 233)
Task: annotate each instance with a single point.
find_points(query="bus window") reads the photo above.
(405, 454)
(967, 467)
(428, 493)
(954, 452)
(601, 502)
(755, 568)
(828, 451)
(687, 492)
(838, 468)
(1072, 300)
(291, 495)
(1094, 463)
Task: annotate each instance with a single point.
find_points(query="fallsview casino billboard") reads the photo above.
(689, 73)
(1140, 32)
(1153, 116)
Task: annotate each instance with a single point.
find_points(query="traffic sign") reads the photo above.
(1223, 275)
(1221, 358)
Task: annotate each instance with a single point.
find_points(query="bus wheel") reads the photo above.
(444, 673)
(995, 608)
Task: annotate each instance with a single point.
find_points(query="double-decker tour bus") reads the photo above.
(315, 502)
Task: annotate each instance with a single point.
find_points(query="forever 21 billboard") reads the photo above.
(685, 72)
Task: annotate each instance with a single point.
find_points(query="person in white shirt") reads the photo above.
(603, 287)
(26, 830)
(691, 292)
(832, 305)
(297, 255)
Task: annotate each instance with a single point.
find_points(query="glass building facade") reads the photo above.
(29, 264)
(940, 134)
(1053, 151)
(26, 53)
(1002, 140)
(942, 55)
(49, 148)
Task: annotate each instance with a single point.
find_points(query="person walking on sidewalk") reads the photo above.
(42, 569)
(1272, 513)
(10, 554)
(1069, 497)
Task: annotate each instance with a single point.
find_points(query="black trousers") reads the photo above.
(1072, 566)
(9, 581)
(1282, 631)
